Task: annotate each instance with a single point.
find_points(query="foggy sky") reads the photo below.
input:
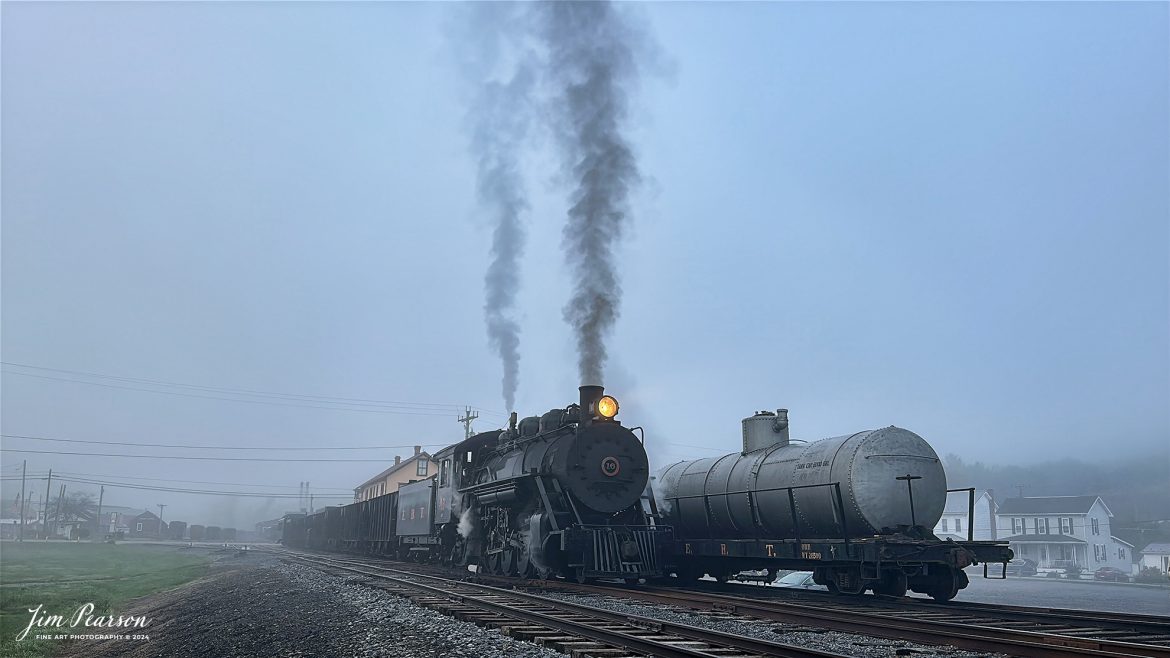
(948, 217)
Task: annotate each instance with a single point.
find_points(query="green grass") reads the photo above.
(65, 575)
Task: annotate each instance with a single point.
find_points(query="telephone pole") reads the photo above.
(161, 507)
(57, 514)
(45, 502)
(468, 416)
(98, 525)
(23, 499)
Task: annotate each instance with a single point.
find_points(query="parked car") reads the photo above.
(762, 576)
(1111, 574)
(799, 580)
(1021, 567)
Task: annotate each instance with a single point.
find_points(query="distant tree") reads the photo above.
(75, 506)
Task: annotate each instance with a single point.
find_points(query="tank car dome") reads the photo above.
(607, 468)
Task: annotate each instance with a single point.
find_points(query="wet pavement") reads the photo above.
(1085, 595)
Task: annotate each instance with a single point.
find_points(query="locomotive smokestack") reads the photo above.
(764, 430)
(589, 397)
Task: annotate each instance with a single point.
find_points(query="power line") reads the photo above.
(41, 476)
(206, 492)
(328, 399)
(179, 445)
(213, 397)
(190, 457)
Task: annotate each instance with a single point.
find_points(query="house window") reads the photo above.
(1066, 525)
(958, 526)
(1017, 526)
(1121, 552)
(138, 526)
(944, 529)
(1096, 528)
(422, 467)
(1036, 524)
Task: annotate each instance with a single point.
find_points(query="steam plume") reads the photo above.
(500, 123)
(590, 66)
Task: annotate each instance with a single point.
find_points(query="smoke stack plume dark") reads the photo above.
(591, 66)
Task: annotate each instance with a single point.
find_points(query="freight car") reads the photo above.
(856, 510)
(564, 493)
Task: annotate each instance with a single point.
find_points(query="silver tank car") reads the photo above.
(888, 480)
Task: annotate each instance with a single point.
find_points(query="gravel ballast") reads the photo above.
(258, 607)
(825, 640)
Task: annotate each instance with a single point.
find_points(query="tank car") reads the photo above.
(857, 510)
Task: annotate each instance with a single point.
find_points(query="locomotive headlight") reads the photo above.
(607, 407)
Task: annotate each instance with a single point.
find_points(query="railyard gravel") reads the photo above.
(803, 636)
(254, 606)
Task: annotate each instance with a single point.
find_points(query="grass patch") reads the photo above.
(65, 575)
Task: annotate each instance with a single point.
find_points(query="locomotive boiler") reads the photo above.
(563, 493)
(857, 510)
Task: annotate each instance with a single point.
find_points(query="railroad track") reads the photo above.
(578, 630)
(1006, 629)
(1012, 630)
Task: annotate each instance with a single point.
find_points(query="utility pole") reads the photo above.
(468, 416)
(45, 523)
(23, 500)
(97, 531)
(57, 514)
(310, 503)
(161, 507)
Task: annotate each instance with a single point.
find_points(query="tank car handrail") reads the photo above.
(970, 512)
(837, 499)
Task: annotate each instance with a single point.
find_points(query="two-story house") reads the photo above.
(417, 467)
(956, 519)
(1063, 531)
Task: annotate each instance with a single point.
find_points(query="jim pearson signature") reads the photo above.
(83, 616)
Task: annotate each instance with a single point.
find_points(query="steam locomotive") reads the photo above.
(857, 510)
(563, 494)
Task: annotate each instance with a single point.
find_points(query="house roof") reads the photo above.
(1043, 539)
(957, 501)
(1159, 548)
(1050, 505)
(396, 467)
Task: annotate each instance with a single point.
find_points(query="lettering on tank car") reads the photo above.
(771, 549)
(812, 464)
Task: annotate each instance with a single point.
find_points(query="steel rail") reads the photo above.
(966, 635)
(659, 649)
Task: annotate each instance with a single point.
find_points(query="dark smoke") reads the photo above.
(500, 117)
(590, 68)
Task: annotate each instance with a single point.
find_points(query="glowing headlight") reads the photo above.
(607, 407)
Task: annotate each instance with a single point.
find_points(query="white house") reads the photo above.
(1157, 556)
(956, 522)
(1063, 531)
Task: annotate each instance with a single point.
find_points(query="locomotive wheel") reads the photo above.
(524, 564)
(494, 565)
(509, 563)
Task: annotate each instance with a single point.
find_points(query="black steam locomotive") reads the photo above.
(560, 494)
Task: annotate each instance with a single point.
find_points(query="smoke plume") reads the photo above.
(499, 119)
(590, 67)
